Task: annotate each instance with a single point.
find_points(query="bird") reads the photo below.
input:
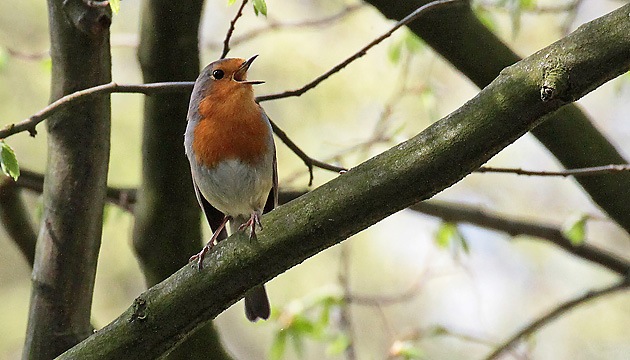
(229, 144)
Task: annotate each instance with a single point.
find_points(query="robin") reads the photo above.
(229, 144)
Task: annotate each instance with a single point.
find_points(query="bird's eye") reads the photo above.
(218, 74)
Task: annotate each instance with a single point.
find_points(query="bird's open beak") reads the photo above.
(241, 73)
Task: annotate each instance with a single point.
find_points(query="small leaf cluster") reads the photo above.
(309, 319)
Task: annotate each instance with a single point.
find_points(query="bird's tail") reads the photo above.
(257, 304)
(256, 300)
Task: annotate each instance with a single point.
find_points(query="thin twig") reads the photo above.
(28, 56)
(147, 89)
(308, 161)
(597, 170)
(228, 36)
(277, 25)
(386, 300)
(409, 18)
(345, 318)
(555, 313)
(472, 215)
(125, 198)
(379, 132)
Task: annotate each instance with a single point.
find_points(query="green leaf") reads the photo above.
(46, 64)
(449, 236)
(394, 52)
(486, 18)
(279, 345)
(406, 350)
(445, 234)
(412, 352)
(115, 5)
(298, 344)
(231, 2)
(463, 242)
(574, 229)
(8, 161)
(338, 345)
(412, 43)
(260, 7)
(303, 326)
(528, 4)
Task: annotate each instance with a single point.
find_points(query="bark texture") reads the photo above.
(76, 181)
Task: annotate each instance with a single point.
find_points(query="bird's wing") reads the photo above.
(214, 216)
(272, 200)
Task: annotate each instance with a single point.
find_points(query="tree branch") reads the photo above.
(86, 94)
(453, 212)
(555, 313)
(276, 25)
(78, 156)
(412, 171)
(408, 19)
(16, 220)
(458, 35)
(308, 161)
(228, 36)
(461, 213)
(596, 170)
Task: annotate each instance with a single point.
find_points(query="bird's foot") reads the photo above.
(213, 241)
(199, 256)
(254, 220)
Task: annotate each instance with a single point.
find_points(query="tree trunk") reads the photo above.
(76, 179)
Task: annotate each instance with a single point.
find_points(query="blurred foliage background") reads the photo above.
(451, 303)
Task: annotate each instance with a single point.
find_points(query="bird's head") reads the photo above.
(227, 76)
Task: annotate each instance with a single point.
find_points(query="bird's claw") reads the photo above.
(199, 256)
(251, 223)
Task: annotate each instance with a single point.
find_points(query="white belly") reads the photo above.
(235, 188)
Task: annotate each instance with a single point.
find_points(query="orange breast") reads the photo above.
(231, 127)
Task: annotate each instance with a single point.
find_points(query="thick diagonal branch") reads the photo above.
(76, 178)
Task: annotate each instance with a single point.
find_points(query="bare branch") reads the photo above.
(384, 300)
(228, 36)
(308, 161)
(16, 220)
(345, 316)
(32, 56)
(468, 214)
(409, 18)
(126, 198)
(555, 313)
(565, 173)
(277, 25)
(147, 89)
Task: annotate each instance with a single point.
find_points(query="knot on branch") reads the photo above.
(555, 83)
(139, 310)
(90, 17)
